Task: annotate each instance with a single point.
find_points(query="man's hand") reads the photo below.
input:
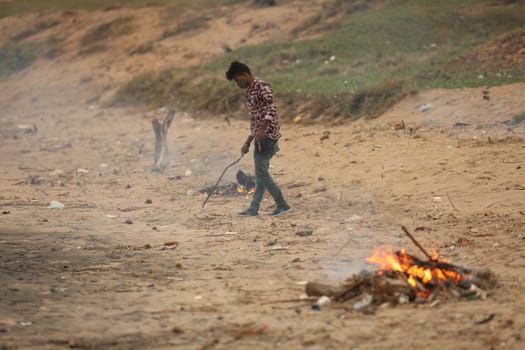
(261, 132)
(260, 135)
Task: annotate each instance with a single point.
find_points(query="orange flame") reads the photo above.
(407, 267)
(242, 189)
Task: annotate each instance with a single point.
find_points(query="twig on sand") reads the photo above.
(452, 204)
(296, 300)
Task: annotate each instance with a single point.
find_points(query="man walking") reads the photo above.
(264, 132)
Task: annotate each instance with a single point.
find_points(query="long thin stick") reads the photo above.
(417, 243)
(427, 255)
(452, 204)
(220, 178)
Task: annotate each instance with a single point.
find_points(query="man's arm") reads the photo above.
(261, 132)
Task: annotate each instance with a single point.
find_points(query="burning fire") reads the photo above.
(242, 189)
(419, 275)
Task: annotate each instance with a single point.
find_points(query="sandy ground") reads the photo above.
(82, 277)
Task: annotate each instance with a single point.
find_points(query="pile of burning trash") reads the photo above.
(403, 278)
(245, 185)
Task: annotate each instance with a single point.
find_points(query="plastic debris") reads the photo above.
(426, 107)
(27, 128)
(323, 301)
(403, 299)
(170, 245)
(56, 205)
(366, 301)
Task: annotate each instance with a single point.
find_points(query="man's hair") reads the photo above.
(237, 68)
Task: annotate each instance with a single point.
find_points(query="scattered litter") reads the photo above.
(147, 246)
(323, 301)
(426, 107)
(27, 128)
(26, 323)
(128, 222)
(189, 193)
(437, 199)
(325, 135)
(231, 233)
(403, 299)
(434, 303)
(304, 233)
(278, 247)
(366, 301)
(297, 119)
(355, 219)
(178, 264)
(82, 171)
(198, 297)
(148, 201)
(111, 216)
(5, 212)
(302, 283)
(56, 205)
(479, 293)
(170, 245)
(103, 165)
(187, 172)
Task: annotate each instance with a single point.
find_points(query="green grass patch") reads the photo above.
(119, 26)
(14, 58)
(189, 24)
(40, 26)
(518, 118)
(375, 54)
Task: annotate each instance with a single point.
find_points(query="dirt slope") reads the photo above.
(101, 50)
(82, 277)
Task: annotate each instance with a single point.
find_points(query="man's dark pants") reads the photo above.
(263, 179)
